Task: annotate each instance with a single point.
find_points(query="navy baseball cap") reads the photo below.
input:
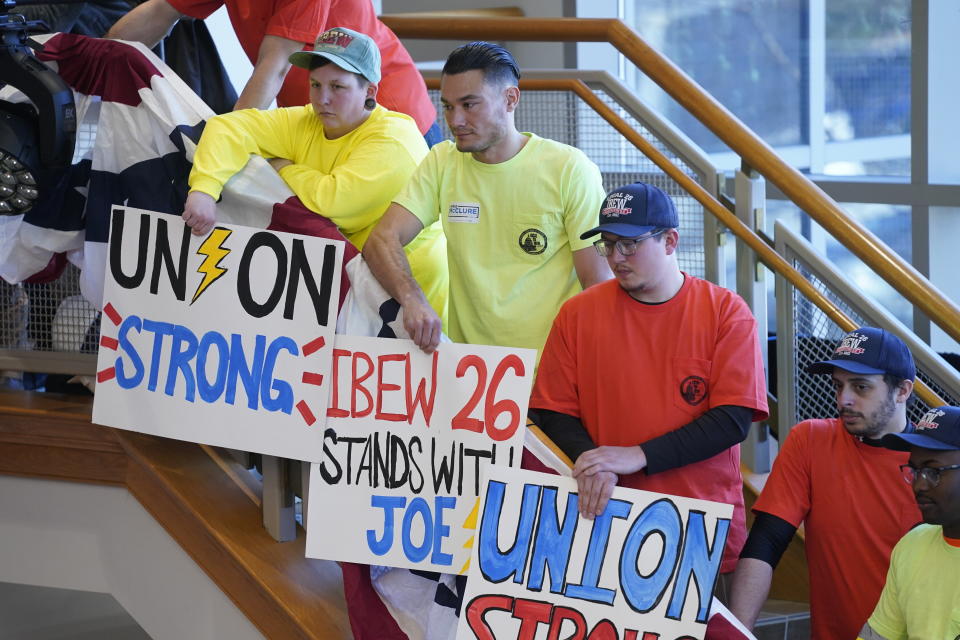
(937, 429)
(635, 210)
(870, 350)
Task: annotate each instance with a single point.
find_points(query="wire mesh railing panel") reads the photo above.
(565, 117)
(815, 336)
(48, 317)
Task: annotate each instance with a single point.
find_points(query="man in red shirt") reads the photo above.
(652, 380)
(835, 477)
(270, 30)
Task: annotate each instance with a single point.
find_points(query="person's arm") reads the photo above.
(704, 437)
(591, 268)
(359, 186)
(230, 139)
(564, 430)
(148, 23)
(224, 149)
(384, 254)
(768, 539)
(569, 434)
(268, 73)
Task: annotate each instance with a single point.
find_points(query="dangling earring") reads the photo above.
(369, 104)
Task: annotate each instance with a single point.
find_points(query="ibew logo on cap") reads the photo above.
(335, 38)
(617, 205)
(928, 421)
(850, 345)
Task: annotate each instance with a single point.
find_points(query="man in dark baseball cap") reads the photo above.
(920, 597)
(835, 477)
(635, 210)
(689, 346)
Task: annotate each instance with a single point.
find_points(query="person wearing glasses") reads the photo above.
(652, 380)
(836, 478)
(512, 205)
(921, 597)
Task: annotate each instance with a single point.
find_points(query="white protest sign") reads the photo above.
(223, 339)
(644, 569)
(408, 435)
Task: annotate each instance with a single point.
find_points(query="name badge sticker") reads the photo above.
(464, 212)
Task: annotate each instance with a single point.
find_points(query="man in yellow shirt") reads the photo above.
(512, 204)
(921, 598)
(343, 155)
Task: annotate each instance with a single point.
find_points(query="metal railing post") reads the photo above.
(751, 195)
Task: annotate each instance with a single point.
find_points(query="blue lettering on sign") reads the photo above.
(545, 538)
(497, 565)
(596, 550)
(552, 543)
(699, 561)
(209, 367)
(211, 391)
(661, 518)
(125, 381)
(432, 523)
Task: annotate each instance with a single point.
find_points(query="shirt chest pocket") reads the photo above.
(537, 236)
(691, 384)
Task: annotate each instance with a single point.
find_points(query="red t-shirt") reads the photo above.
(401, 86)
(632, 371)
(855, 506)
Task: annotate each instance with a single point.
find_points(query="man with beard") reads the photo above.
(920, 597)
(836, 478)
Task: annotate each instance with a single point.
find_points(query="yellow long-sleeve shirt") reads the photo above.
(351, 179)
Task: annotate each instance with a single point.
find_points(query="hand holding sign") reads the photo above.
(200, 212)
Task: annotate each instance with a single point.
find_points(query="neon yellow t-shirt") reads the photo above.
(921, 599)
(511, 232)
(351, 179)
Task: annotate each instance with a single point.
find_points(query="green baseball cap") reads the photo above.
(348, 49)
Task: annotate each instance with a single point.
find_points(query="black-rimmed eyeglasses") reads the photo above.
(626, 246)
(930, 475)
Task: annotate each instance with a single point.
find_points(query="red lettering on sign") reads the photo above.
(383, 386)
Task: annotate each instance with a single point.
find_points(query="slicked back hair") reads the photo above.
(497, 64)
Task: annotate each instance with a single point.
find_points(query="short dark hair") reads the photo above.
(319, 61)
(497, 64)
(893, 383)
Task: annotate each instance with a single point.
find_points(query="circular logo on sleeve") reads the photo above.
(693, 390)
(533, 241)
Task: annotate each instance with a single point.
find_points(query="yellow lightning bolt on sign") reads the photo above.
(470, 523)
(214, 251)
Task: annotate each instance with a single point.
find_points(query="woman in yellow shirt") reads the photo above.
(343, 155)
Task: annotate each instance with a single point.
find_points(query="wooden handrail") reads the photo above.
(900, 274)
(764, 252)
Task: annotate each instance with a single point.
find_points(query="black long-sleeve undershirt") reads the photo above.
(704, 437)
(768, 539)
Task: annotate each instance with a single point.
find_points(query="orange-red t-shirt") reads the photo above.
(632, 371)
(401, 86)
(855, 506)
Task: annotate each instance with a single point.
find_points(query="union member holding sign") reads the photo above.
(512, 206)
(344, 156)
(651, 381)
